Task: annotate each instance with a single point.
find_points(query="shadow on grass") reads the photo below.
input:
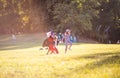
(97, 55)
(115, 59)
(22, 41)
(103, 59)
(22, 45)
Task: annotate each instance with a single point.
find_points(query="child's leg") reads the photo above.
(66, 46)
(56, 50)
(52, 50)
(48, 51)
(70, 45)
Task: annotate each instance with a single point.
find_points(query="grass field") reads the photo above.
(21, 58)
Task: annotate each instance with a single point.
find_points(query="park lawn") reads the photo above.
(23, 58)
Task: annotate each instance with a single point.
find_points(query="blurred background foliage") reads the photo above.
(96, 19)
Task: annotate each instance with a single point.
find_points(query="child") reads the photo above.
(45, 42)
(67, 40)
(51, 45)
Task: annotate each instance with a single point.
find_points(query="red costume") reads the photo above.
(51, 45)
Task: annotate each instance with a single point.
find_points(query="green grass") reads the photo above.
(23, 59)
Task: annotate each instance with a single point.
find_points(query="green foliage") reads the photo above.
(21, 16)
(108, 19)
(68, 15)
(97, 19)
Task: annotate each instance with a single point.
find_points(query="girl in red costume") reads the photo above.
(51, 44)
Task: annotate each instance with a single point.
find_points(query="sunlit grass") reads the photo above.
(83, 61)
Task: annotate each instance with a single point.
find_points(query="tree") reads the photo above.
(21, 16)
(97, 19)
(108, 21)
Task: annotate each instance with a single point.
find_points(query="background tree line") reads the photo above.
(96, 19)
